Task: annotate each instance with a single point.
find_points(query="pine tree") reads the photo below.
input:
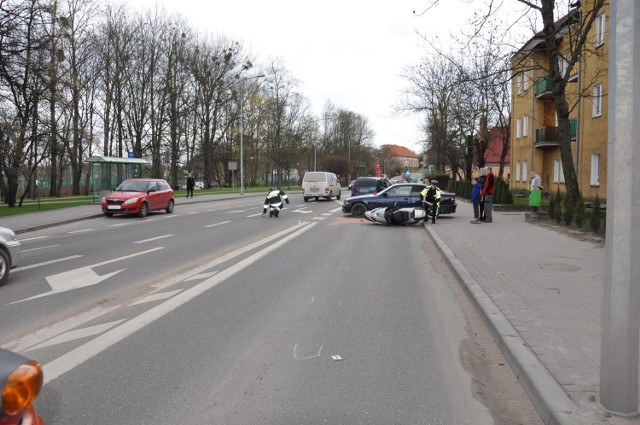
(580, 213)
(558, 209)
(568, 210)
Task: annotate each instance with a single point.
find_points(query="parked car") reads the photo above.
(369, 185)
(351, 184)
(320, 184)
(9, 253)
(404, 194)
(21, 381)
(139, 196)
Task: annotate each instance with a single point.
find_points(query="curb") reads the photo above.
(550, 400)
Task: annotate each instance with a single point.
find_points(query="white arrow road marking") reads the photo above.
(217, 224)
(22, 344)
(78, 334)
(295, 356)
(46, 263)
(154, 239)
(81, 278)
(155, 297)
(81, 354)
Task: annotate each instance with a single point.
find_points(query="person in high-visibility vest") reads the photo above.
(432, 195)
(273, 202)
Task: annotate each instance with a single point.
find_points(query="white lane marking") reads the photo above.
(78, 334)
(201, 276)
(215, 209)
(33, 239)
(254, 215)
(295, 356)
(155, 297)
(217, 224)
(318, 218)
(24, 343)
(81, 277)
(312, 298)
(236, 212)
(119, 224)
(327, 214)
(336, 210)
(154, 239)
(42, 247)
(46, 263)
(80, 231)
(219, 260)
(171, 215)
(193, 212)
(81, 354)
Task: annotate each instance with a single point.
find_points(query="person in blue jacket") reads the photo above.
(475, 199)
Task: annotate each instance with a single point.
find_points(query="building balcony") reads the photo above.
(546, 137)
(544, 86)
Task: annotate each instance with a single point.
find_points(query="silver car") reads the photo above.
(9, 253)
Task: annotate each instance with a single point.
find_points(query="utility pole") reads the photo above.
(621, 301)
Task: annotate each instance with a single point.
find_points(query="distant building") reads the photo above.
(400, 155)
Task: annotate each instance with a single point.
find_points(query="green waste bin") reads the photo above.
(534, 197)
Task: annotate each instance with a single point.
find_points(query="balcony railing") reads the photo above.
(546, 137)
(543, 87)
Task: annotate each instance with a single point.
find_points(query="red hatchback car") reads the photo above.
(139, 196)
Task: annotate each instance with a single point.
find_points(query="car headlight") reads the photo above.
(130, 201)
(21, 387)
(12, 235)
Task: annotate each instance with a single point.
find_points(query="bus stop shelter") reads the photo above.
(107, 172)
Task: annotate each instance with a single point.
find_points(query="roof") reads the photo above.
(116, 160)
(395, 150)
(538, 39)
(494, 150)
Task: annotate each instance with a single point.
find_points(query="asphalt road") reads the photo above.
(216, 315)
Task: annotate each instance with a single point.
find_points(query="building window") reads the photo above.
(600, 29)
(597, 100)
(562, 65)
(558, 174)
(525, 125)
(595, 170)
(527, 80)
(519, 128)
(517, 171)
(524, 171)
(519, 83)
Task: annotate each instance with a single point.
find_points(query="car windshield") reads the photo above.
(133, 186)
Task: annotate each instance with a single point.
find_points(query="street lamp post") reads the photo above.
(242, 80)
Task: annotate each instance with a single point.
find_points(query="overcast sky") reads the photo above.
(349, 52)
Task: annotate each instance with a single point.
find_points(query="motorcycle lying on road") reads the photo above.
(396, 215)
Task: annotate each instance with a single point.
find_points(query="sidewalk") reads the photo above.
(539, 291)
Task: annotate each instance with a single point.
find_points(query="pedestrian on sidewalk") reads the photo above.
(488, 191)
(475, 199)
(191, 182)
(535, 190)
(481, 179)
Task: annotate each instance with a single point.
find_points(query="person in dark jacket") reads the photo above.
(273, 202)
(488, 191)
(191, 183)
(481, 179)
(475, 199)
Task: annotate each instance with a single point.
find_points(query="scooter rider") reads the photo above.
(431, 195)
(273, 202)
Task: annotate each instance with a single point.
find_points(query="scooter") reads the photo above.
(395, 215)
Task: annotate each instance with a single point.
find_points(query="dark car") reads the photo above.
(139, 196)
(369, 185)
(404, 194)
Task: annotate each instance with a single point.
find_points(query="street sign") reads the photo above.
(132, 154)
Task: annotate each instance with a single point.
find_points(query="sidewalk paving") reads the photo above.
(539, 291)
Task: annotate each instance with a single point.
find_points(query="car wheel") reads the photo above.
(108, 214)
(358, 210)
(4, 267)
(170, 207)
(339, 195)
(317, 198)
(144, 210)
(306, 199)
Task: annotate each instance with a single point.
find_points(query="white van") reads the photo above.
(317, 184)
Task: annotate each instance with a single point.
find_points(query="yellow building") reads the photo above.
(535, 141)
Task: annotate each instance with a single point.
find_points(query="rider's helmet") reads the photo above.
(434, 182)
